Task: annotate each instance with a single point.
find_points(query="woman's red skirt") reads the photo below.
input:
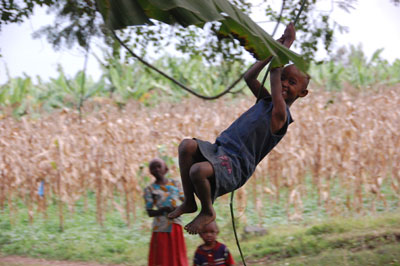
(168, 249)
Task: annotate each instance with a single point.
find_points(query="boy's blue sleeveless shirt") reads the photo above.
(238, 150)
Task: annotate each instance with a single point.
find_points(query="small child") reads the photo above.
(211, 170)
(167, 244)
(212, 252)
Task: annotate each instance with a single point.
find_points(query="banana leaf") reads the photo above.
(119, 14)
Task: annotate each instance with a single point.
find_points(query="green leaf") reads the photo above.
(200, 11)
(122, 13)
(54, 165)
(115, 78)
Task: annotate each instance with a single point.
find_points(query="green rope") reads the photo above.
(234, 229)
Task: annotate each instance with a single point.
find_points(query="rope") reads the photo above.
(262, 84)
(234, 229)
(228, 89)
(279, 18)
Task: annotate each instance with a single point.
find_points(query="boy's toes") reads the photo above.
(187, 228)
(190, 229)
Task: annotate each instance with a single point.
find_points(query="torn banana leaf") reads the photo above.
(119, 14)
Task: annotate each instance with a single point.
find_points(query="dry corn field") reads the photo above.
(346, 138)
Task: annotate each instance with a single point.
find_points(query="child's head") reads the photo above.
(209, 233)
(158, 168)
(294, 83)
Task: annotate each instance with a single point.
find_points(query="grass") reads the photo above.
(369, 240)
(351, 238)
(383, 255)
(83, 239)
(332, 236)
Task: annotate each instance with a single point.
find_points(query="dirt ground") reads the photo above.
(25, 261)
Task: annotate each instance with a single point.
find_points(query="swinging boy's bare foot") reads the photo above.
(203, 218)
(185, 207)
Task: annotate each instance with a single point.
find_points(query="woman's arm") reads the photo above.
(159, 212)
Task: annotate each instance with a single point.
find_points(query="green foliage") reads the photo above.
(296, 241)
(313, 27)
(134, 81)
(82, 239)
(78, 22)
(17, 94)
(382, 255)
(353, 68)
(234, 23)
(25, 97)
(128, 81)
(325, 228)
(16, 11)
(123, 81)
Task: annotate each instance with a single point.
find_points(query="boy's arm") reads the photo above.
(251, 75)
(279, 116)
(251, 79)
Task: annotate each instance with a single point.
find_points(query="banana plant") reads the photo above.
(119, 14)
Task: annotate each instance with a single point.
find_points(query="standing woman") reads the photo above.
(167, 244)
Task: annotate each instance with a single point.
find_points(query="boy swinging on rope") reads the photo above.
(211, 170)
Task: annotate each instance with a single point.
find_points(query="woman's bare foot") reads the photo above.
(203, 218)
(183, 208)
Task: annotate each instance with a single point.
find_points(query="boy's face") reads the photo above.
(294, 84)
(158, 168)
(209, 233)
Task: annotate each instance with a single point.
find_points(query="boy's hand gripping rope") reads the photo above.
(269, 66)
(232, 193)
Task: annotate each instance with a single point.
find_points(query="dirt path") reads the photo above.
(25, 261)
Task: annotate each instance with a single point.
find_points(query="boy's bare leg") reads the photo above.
(188, 154)
(199, 174)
